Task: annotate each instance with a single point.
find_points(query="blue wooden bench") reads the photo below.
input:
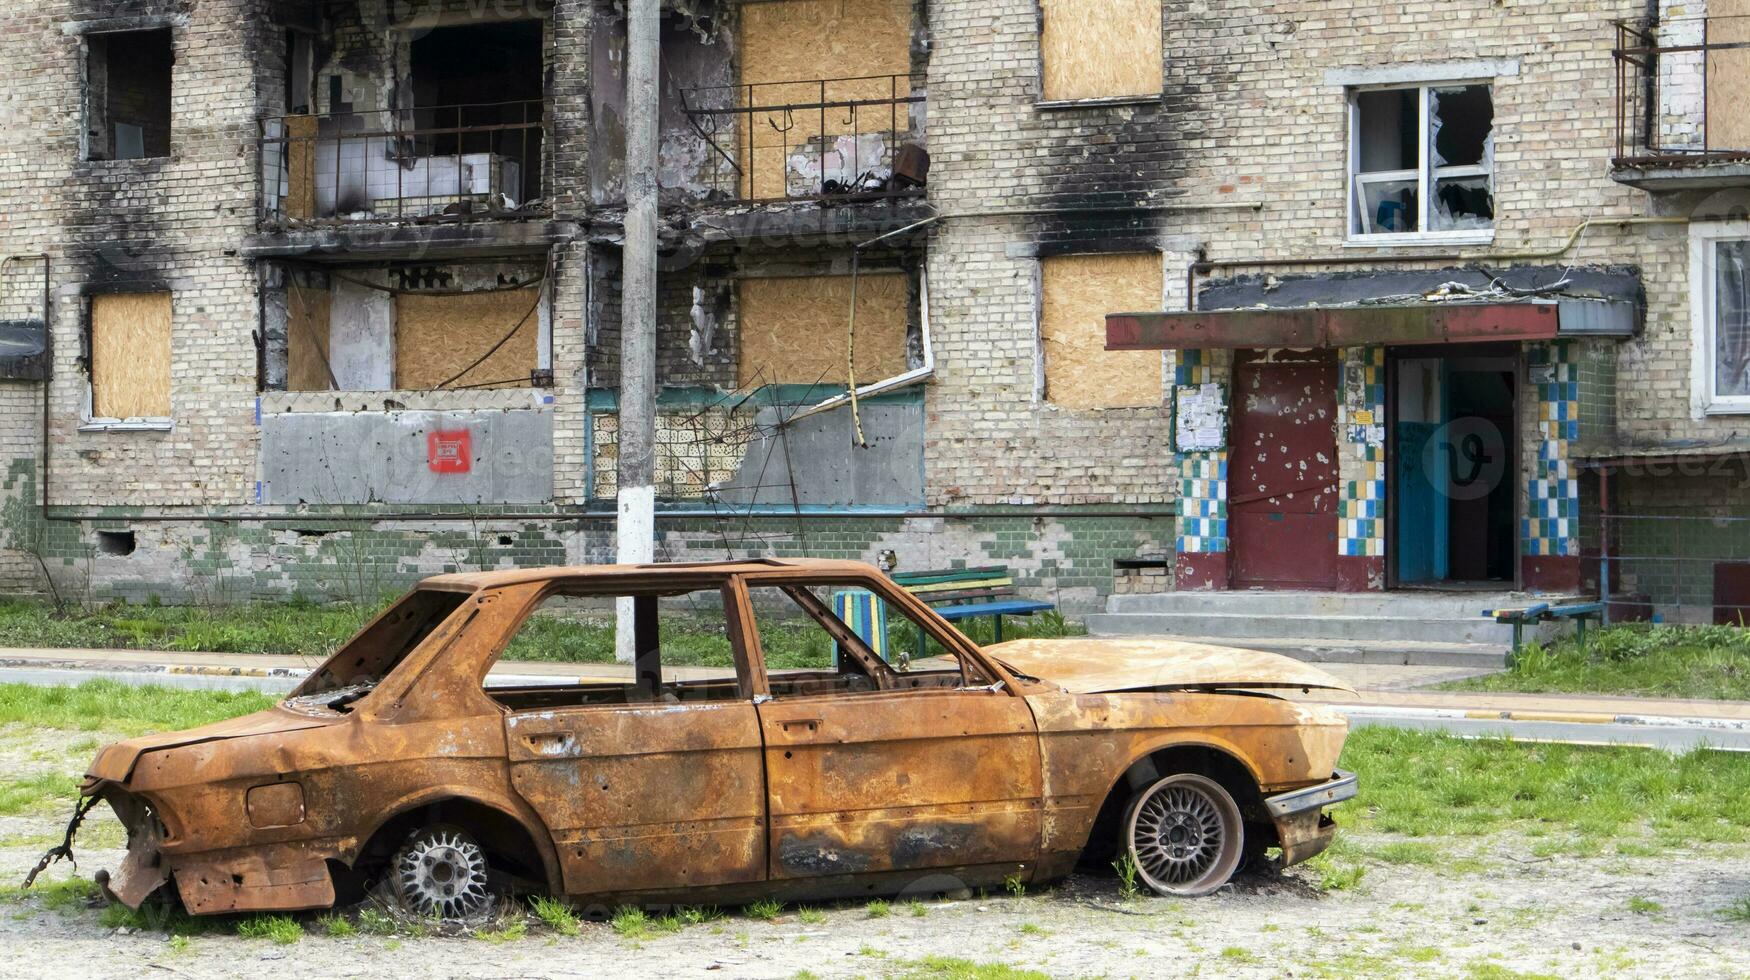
(966, 593)
(1542, 612)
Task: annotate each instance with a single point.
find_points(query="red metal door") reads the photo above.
(1282, 470)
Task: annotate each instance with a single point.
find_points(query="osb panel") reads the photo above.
(803, 42)
(1728, 86)
(437, 337)
(1095, 49)
(307, 320)
(130, 356)
(1078, 292)
(794, 331)
(300, 167)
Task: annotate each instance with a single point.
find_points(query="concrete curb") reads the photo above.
(1557, 717)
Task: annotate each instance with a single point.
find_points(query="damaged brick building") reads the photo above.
(331, 300)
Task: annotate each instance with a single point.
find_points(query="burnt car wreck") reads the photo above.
(400, 762)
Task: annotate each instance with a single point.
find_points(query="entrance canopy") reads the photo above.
(1356, 326)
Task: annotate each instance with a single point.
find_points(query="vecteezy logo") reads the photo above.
(1471, 452)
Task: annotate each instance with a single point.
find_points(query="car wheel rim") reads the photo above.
(443, 874)
(1183, 837)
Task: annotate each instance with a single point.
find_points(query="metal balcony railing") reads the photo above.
(1681, 92)
(835, 139)
(457, 162)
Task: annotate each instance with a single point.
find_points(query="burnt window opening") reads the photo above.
(1423, 160)
(127, 79)
(116, 544)
(477, 89)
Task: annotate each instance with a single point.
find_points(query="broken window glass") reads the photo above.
(1395, 131)
(1461, 142)
(1732, 318)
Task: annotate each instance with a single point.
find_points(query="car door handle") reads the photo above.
(550, 742)
(800, 725)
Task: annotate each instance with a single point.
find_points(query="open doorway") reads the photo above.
(1453, 492)
(477, 89)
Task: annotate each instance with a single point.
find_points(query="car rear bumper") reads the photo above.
(1302, 828)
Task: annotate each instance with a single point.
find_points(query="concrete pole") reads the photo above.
(636, 530)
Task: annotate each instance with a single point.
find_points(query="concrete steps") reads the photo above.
(1432, 629)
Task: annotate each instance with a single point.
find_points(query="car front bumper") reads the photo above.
(1301, 825)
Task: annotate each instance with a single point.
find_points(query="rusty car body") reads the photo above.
(395, 761)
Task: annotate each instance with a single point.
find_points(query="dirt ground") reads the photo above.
(1494, 909)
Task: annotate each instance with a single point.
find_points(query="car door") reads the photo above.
(908, 779)
(654, 793)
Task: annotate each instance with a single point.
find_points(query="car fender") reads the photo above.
(511, 808)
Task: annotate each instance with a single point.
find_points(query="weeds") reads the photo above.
(281, 929)
(337, 926)
(917, 908)
(630, 923)
(1738, 911)
(764, 911)
(1126, 868)
(810, 915)
(1644, 906)
(878, 909)
(510, 933)
(694, 915)
(1015, 885)
(376, 922)
(556, 915)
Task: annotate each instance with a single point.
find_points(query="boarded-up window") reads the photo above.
(794, 331)
(1100, 49)
(1078, 292)
(130, 356)
(307, 358)
(788, 47)
(1728, 66)
(472, 340)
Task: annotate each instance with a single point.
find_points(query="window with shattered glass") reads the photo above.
(1423, 160)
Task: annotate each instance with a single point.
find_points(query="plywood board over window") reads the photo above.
(788, 47)
(1728, 98)
(437, 337)
(307, 326)
(1077, 291)
(130, 356)
(795, 330)
(1100, 49)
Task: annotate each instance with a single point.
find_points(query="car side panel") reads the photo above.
(645, 796)
(1088, 741)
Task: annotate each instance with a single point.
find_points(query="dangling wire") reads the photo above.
(851, 354)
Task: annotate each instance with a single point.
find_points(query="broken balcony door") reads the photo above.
(1453, 488)
(1282, 471)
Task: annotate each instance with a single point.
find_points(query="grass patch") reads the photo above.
(556, 915)
(630, 923)
(1704, 662)
(1738, 911)
(511, 933)
(810, 915)
(878, 909)
(955, 968)
(1574, 798)
(1644, 906)
(110, 706)
(317, 629)
(281, 929)
(63, 895)
(764, 911)
(36, 792)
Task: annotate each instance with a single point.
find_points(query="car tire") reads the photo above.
(441, 871)
(1184, 835)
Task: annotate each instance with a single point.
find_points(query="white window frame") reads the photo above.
(1704, 237)
(1424, 177)
(88, 422)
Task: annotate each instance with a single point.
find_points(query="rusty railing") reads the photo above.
(456, 162)
(836, 139)
(1681, 98)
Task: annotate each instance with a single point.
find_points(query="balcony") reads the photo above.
(1682, 108)
(828, 141)
(429, 165)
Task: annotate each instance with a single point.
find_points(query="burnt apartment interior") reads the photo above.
(128, 94)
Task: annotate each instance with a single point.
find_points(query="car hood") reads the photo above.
(1098, 666)
(115, 763)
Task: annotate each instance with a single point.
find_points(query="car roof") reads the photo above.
(520, 576)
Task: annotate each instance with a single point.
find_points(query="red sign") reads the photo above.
(450, 451)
